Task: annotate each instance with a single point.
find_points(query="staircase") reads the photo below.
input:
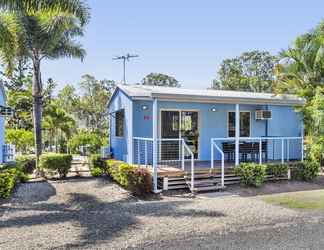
(203, 182)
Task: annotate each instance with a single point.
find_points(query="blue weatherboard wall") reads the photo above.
(285, 122)
(119, 145)
(2, 126)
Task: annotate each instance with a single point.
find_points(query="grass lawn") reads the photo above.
(308, 200)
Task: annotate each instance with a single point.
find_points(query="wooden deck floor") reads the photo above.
(200, 167)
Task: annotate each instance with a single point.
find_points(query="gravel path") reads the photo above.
(88, 213)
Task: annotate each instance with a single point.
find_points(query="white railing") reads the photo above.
(171, 152)
(212, 146)
(9, 152)
(105, 152)
(287, 149)
(143, 151)
(192, 163)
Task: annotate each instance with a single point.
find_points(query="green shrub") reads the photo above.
(92, 140)
(58, 163)
(27, 163)
(8, 180)
(96, 172)
(135, 179)
(306, 171)
(7, 184)
(277, 170)
(97, 162)
(251, 174)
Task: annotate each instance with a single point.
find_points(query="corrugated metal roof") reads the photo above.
(208, 95)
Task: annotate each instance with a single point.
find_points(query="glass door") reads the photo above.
(170, 129)
(178, 125)
(189, 130)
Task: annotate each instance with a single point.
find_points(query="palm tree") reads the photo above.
(301, 69)
(40, 30)
(57, 122)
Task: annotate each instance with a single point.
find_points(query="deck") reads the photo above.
(200, 167)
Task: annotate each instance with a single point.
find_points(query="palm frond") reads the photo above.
(76, 7)
(67, 48)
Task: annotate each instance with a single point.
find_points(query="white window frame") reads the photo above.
(227, 122)
(116, 136)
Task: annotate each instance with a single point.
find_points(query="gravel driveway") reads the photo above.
(88, 213)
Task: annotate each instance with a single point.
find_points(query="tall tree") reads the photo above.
(92, 105)
(301, 72)
(38, 30)
(251, 71)
(158, 79)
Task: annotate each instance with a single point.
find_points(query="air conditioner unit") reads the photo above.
(263, 115)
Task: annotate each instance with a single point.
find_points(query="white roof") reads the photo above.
(207, 95)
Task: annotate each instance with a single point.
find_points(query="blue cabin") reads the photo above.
(7, 151)
(188, 128)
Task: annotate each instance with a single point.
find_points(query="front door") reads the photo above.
(178, 125)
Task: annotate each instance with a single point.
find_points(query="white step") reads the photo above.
(208, 188)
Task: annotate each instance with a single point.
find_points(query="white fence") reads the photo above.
(260, 149)
(170, 153)
(9, 152)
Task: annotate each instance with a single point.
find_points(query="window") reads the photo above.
(119, 123)
(245, 122)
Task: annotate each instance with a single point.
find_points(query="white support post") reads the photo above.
(287, 150)
(282, 151)
(182, 154)
(260, 151)
(145, 151)
(211, 154)
(130, 135)
(302, 148)
(237, 134)
(192, 173)
(155, 118)
(138, 153)
(223, 169)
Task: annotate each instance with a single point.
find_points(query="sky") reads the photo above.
(185, 39)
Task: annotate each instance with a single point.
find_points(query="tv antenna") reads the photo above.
(124, 58)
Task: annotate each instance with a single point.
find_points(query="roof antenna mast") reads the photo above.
(124, 58)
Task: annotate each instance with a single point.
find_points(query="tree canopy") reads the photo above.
(251, 71)
(158, 79)
(35, 30)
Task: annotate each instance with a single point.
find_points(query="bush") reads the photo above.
(7, 184)
(58, 163)
(306, 171)
(8, 180)
(97, 162)
(251, 174)
(135, 179)
(96, 172)
(92, 140)
(277, 170)
(27, 163)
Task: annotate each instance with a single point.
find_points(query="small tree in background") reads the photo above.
(252, 71)
(158, 79)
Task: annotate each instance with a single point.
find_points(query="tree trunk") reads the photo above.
(37, 108)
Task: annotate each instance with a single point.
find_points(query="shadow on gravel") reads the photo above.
(102, 220)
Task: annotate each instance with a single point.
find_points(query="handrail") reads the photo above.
(143, 138)
(185, 146)
(260, 139)
(214, 145)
